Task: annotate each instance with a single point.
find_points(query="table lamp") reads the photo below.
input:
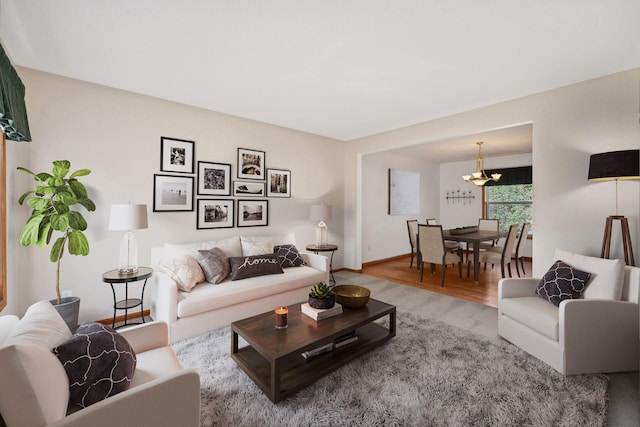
(321, 213)
(128, 217)
(616, 166)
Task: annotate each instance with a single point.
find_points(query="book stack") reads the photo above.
(319, 314)
(339, 342)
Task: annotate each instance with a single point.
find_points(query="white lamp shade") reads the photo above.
(128, 217)
(321, 212)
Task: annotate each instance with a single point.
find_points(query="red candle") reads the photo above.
(281, 317)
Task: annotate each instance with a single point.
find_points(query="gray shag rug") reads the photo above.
(429, 374)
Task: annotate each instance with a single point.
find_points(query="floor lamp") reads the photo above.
(616, 166)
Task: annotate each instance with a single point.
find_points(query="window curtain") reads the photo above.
(512, 176)
(13, 112)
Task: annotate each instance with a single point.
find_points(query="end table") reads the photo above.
(114, 276)
(325, 248)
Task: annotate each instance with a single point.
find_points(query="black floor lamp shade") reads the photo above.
(614, 165)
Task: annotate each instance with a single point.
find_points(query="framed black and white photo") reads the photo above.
(176, 155)
(248, 189)
(252, 213)
(278, 183)
(250, 164)
(214, 179)
(215, 213)
(172, 193)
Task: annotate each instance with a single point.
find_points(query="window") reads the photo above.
(511, 204)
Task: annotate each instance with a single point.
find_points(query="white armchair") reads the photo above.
(594, 334)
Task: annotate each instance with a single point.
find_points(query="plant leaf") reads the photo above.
(38, 203)
(24, 196)
(80, 172)
(42, 177)
(78, 189)
(44, 235)
(60, 222)
(20, 168)
(55, 250)
(88, 204)
(31, 230)
(77, 221)
(61, 168)
(77, 243)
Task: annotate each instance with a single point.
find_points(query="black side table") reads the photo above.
(114, 276)
(325, 248)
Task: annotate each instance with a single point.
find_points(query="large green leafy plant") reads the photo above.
(51, 201)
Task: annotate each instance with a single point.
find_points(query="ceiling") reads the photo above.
(338, 68)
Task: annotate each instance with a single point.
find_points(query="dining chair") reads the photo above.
(524, 232)
(485, 225)
(432, 250)
(500, 254)
(412, 228)
(450, 245)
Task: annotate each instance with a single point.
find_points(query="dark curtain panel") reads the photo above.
(512, 176)
(13, 112)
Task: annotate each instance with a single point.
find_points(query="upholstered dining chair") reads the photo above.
(450, 245)
(432, 250)
(412, 228)
(485, 225)
(500, 254)
(524, 232)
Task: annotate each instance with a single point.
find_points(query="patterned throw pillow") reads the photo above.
(185, 271)
(562, 282)
(215, 265)
(250, 266)
(288, 256)
(99, 363)
(251, 247)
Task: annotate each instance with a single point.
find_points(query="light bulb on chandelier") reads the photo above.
(479, 177)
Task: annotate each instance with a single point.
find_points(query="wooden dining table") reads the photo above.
(475, 238)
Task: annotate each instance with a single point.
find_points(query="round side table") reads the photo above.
(325, 248)
(114, 276)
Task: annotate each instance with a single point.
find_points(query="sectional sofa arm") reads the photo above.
(147, 336)
(173, 400)
(164, 302)
(595, 319)
(515, 288)
(319, 262)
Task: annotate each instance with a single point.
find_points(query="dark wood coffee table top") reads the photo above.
(273, 358)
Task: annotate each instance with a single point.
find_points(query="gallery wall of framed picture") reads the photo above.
(220, 201)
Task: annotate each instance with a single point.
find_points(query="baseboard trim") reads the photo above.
(380, 261)
(120, 319)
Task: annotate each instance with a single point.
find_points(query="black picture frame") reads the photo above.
(248, 189)
(252, 213)
(176, 155)
(278, 183)
(214, 179)
(172, 193)
(251, 164)
(215, 213)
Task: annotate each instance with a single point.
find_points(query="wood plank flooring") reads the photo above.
(485, 292)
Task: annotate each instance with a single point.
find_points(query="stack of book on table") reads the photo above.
(318, 313)
(339, 342)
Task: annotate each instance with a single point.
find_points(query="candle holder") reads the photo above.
(281, 317)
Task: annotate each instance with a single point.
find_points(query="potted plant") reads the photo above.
(321, 296)
(51, 201)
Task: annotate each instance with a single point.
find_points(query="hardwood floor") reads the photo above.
(485, 292)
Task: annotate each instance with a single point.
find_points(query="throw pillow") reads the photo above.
(562, 282)
(185, 271)
(256, 247)
(215, 265)
(288, 256)
(251, 266)
(41, 325)
(99, 363)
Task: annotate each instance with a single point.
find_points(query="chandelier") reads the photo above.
(479, 177)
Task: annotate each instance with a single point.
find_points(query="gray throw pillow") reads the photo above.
(99, 363)
(243, 267)
(215, 264)
(562, 282)
(288, 255)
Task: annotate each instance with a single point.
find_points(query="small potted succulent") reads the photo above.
(321, 296)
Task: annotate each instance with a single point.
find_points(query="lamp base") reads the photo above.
(128, 262)
(128, 270)
(626, 239)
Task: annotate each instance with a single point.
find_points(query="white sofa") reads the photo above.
(34, 387)
(596, 333)
(210, 306)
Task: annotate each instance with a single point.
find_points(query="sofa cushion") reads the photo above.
(251, 266)
(184, 270)
(99, 363)
(252, 247)
(7, 323)
(155, 363)
(535, 313)
(230, 246)
(562, 282)
(215, 265)
(606, 274)
(41, 325)
(288, 256)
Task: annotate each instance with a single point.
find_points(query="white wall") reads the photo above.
(117, 134)
(569, 124)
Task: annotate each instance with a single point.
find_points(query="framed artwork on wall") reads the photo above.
(252, 213)
(214, 179)
(172, 193)
(278, 183)
(215, 213)
(248, 189)
(176, 155)
(250, 164)
(404, 192)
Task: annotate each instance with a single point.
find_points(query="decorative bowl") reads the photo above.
(352, 296)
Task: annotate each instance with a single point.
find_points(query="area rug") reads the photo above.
(430, 374)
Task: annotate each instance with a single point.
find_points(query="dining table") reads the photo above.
(474, 237)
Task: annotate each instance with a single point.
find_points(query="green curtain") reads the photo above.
(13, 112)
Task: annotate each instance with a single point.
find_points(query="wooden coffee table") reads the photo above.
(273, 359)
